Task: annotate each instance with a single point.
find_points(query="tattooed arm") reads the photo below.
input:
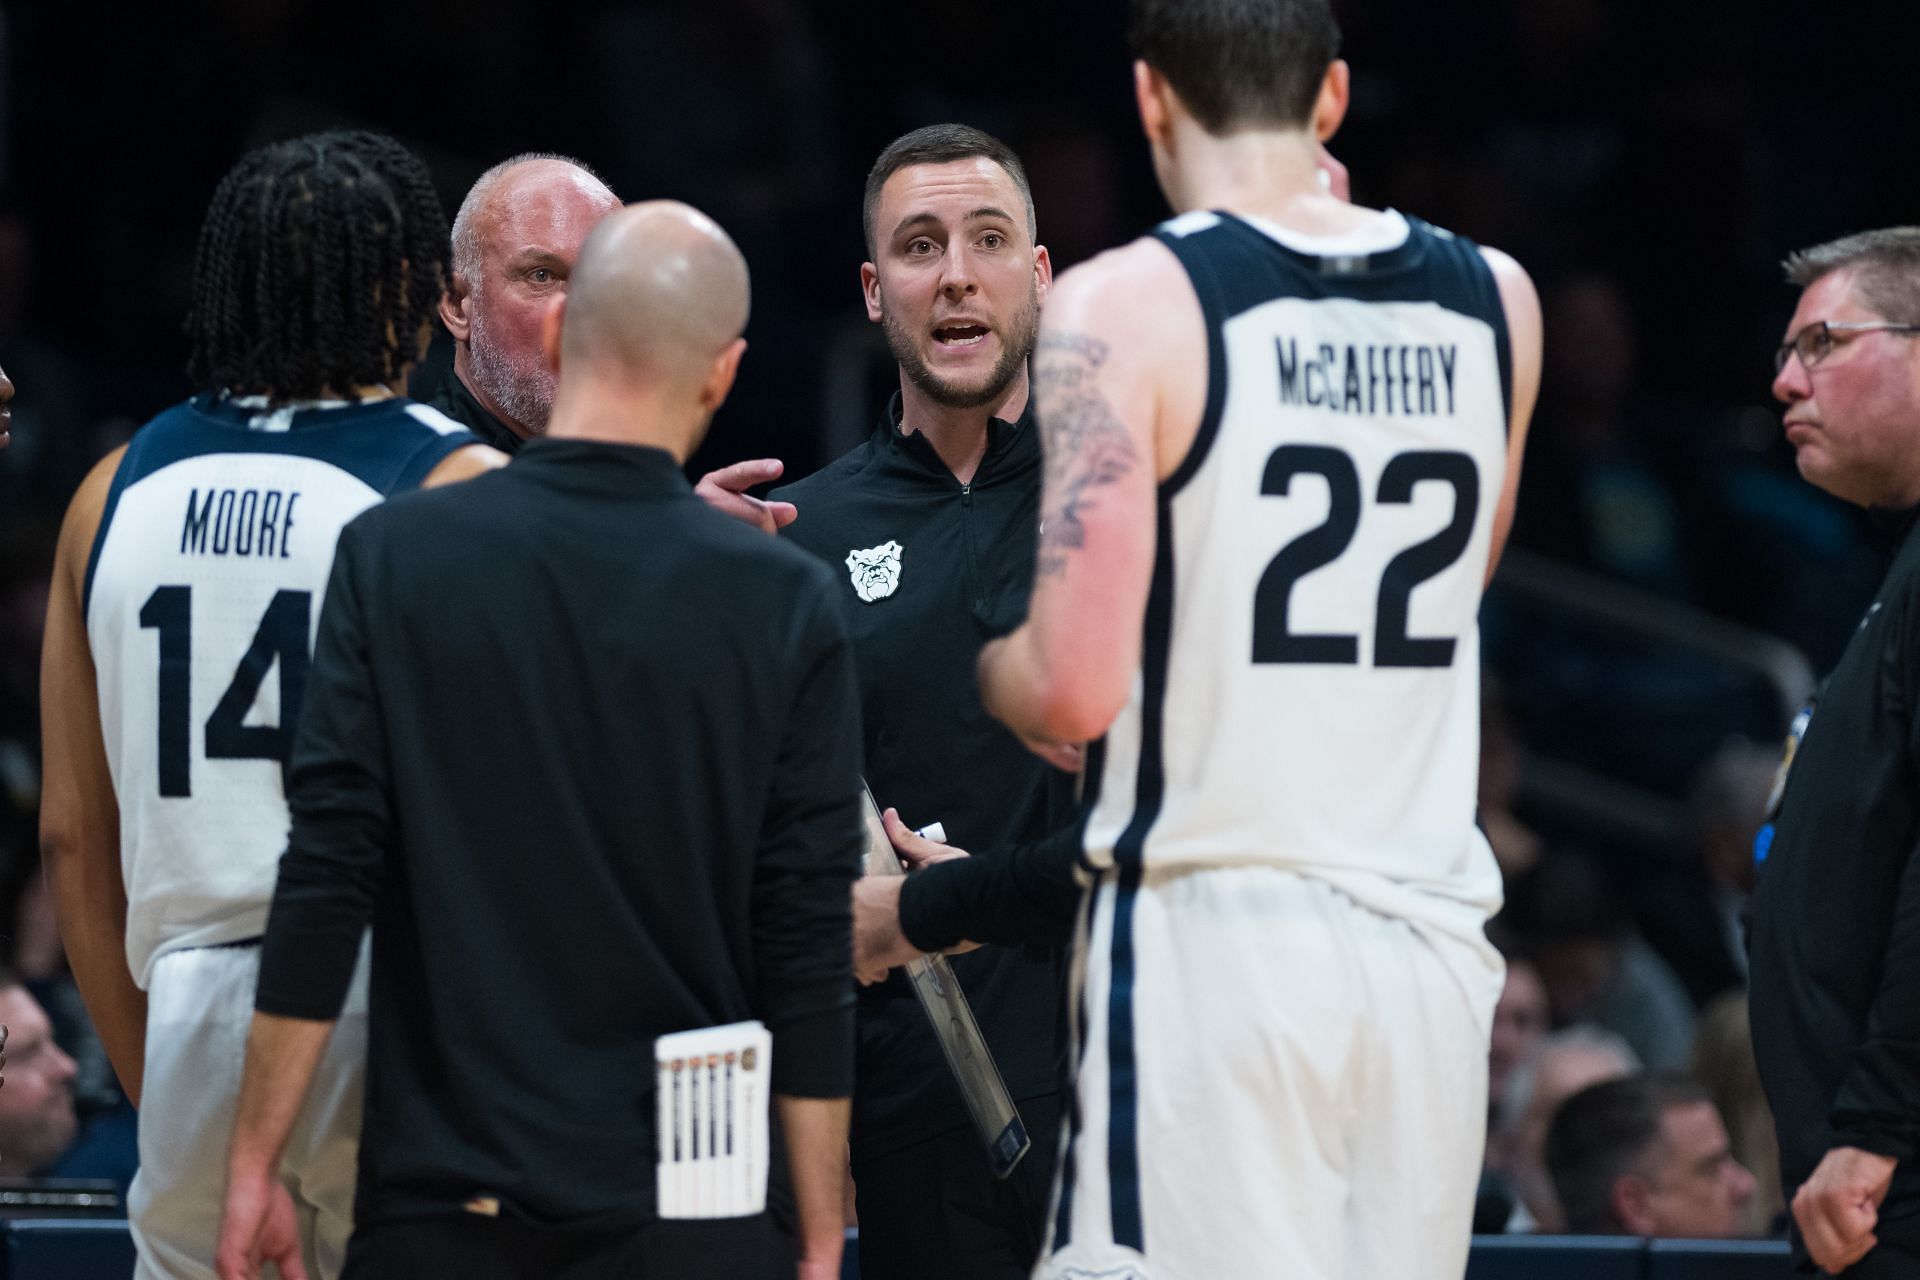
(1065, 674)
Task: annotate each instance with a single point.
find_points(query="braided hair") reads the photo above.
(319, 261)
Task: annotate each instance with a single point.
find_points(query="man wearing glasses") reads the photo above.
(1835, 926)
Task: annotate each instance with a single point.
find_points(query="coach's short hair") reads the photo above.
(1603, 1133)
(1238, 64)
(942, 144)
(1888, 263)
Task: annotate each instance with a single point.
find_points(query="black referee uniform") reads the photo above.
(959, 573)
(645, 821)
(1834, 932)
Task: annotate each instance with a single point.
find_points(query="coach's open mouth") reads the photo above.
(960, 335)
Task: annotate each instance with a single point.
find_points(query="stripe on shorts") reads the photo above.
(1123, 1120)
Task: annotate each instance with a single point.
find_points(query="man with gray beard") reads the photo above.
(514, 244)
(933, 521)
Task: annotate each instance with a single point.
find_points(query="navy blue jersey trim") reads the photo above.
(1433, 265)
(378, 442)
(1502, 338)
(427, 457)
(1206, 286)
(1478, 294)
(373, 442)
(122, 477)
(1129, 856)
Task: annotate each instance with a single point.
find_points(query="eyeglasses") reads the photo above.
(1816, 341)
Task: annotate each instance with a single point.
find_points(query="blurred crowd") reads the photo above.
(1649, 162)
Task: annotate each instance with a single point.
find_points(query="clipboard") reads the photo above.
(995, 1119)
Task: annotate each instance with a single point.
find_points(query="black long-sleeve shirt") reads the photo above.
(959, 573)
(1835, 923)
(595, 787)
(1023, 897)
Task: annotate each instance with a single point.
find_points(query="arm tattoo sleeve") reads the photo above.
(1086, 445)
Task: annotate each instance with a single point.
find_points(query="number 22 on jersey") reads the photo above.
(1274, 640)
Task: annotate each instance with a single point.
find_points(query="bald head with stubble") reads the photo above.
(658, 303)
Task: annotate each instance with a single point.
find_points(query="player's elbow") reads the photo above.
(1077, 707)
(61, 841)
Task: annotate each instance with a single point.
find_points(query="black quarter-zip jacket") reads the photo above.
(1834, 929)
(960, 570)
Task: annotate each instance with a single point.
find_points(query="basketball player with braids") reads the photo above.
(188, 582)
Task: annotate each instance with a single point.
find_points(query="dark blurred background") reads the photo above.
(1674, 585)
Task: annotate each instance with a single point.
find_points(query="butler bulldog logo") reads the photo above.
(875, 571)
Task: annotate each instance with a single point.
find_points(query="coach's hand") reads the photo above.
(1839, 1206)
(878, 944)
(915, 850)
(259, 1225)
(725, 491)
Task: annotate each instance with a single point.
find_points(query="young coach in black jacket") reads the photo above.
(930, 529)
(668, 846)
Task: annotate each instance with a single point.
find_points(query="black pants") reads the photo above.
(934, 1211)
(473, 1247)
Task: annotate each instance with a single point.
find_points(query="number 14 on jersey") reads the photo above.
(281, 637)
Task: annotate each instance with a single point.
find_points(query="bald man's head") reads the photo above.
(659, 296)
(515, 241)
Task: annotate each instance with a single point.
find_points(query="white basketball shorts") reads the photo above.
(1272, 1080)
(199, 1008)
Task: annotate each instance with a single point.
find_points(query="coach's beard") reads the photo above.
(1018, 345)
(525, 394)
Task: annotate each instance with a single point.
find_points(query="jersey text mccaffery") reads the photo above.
(238, 522)
(1410, 379)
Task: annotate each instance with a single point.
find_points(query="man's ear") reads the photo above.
(1632, 1201)
(550, 325)
(720, 376)
(1150, 90)
(1330, 107)
(456, 306)
(870, 290)
(1042, 273)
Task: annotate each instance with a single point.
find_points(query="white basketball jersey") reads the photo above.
(202, 598)
(1309, 686)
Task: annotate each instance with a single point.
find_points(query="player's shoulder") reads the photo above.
(86, 509)
(1142, 264)
(1131, 301)
(1507, 272)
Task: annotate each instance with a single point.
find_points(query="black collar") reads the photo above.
(460, 404)
(601, 467)
(1007, 442)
